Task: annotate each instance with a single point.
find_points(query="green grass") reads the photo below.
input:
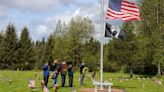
(19, 80)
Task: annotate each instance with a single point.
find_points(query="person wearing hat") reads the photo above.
(63, 73)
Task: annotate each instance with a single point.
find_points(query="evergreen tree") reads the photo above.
(48, 50)
(1, 39)
(40, 57)
(9, 49)
(26, 50)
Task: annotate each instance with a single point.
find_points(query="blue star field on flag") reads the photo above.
(115, 5)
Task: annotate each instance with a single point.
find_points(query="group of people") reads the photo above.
(57, 69)
(63, 69)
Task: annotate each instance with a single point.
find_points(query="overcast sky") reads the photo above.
(41, 16)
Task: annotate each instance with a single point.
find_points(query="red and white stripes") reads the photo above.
(129, 11)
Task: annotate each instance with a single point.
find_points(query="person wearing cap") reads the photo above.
(46, 72)
(63, 73)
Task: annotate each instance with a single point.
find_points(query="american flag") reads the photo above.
(123, 9)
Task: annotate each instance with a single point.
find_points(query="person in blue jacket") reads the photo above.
(46, 72)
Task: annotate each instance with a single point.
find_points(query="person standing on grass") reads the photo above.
(63, 73)
(55, 73)
(70, 75)
(46, 72)
(54, 77)
(82, 75)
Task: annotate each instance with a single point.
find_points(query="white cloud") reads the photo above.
(92, 12)
(2, 10)
(38, 5)
(77, 12)
(48, 26)
(64, 17)
(41, 29)
(40, 32)
(66, 2)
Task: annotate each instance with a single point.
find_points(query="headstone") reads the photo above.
(111, 79)
(158, 82)
(143, 85)
(148, 78)
(143, 78)
(121, 81)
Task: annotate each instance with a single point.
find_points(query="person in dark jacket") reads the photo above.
(54, 77)
(70, 75)
(63, 73)
(82, 75)
(55, 69)
(54, 65)
(46, 72)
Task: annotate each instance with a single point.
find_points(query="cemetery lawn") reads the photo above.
(16, 81)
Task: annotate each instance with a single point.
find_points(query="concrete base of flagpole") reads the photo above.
(104, 90)
(100, 86)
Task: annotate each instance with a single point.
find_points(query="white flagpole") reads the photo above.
(102, 35)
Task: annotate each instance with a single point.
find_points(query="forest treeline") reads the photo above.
(141, 52)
